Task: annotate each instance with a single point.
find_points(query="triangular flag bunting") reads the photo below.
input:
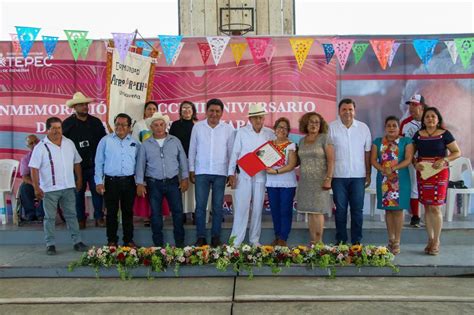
(342, 49)
(26, 37)
(77, 41)
(393, 52)
(15, 42)
(359, 50)
(205, 51)
(122, 42)
(425, 48)
(238, 50)
(49, 43)
(146, 49)
(85, 44)
(328, 52)
(258, 46)
(269, 53)
(465, 47)
(169, 44)
(218, 45)
(382, 49)
(301, 47)
(453, 51)
(178, 51)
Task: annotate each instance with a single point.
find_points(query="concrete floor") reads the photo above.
(264, 295)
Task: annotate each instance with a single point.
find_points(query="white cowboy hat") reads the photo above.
(256, 110)
(157, 116)
(78, 98)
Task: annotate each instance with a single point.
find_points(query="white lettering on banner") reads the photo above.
(40, 127)
(128, 85)
(21, 64)
(47, 110)
(242, 107)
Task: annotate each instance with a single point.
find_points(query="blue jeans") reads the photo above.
(348, 191)
(31, 208)
(97, 201)
(169, 188)
(204, 183)
(281, 205)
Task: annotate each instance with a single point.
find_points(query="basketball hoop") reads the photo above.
(245, 25)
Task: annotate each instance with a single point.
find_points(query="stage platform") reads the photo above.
(23, 254)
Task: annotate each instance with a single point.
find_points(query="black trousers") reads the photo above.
(119, 194)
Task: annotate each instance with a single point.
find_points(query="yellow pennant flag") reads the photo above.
(301, 47)
(238, 50)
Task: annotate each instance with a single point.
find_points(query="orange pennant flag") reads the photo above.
(301, 47)
(238, 50)
(382, 49)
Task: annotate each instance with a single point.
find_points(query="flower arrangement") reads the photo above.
(239, 258)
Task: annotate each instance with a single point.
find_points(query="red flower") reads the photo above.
(146, 262)
(121, 256)
(112, 249)
(236, 254)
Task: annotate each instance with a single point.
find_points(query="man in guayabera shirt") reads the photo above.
(85, 131)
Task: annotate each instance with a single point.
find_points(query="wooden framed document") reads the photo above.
(264, 156)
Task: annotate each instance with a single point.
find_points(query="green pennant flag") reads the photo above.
(465, 47)
(77, 41)
(85, 44)
(359, 50)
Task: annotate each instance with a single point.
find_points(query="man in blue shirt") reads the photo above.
(163, 166)
(114, 177)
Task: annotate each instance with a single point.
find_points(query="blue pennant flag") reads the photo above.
(329, 52)
(170, 45)
(49, 43)
(425, 49)
(146, 48)
(26, 37)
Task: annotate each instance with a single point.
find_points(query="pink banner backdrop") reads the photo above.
(35, 88)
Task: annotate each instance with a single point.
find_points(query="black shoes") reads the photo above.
(80, 247)
(216, 241)
(200, 242)
(415, 221)
(51, 250)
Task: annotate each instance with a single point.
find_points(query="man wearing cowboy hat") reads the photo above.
(249, 190)
(163, 167)
(85, 131)
(115, 162)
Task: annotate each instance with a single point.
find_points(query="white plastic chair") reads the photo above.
(457, 167)
(8, 172)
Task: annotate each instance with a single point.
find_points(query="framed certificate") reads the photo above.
(264, 156)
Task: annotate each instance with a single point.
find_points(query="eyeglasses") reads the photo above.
(282, 128)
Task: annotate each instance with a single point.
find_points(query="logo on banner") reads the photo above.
(14, 63)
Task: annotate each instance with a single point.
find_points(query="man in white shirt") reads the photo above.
(408, 128)
(352, 143)
(53, 163)
(249, 190)
(209, 154)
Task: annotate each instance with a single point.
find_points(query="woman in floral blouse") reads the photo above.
(391, 155)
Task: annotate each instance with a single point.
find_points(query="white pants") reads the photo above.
(248, 190)
(414, 184)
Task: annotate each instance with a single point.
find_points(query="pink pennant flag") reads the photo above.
(258, 46)
(382, 49)
(269, 53)
(393, 53)
(342, 49)
(205, 51)
(15, 42)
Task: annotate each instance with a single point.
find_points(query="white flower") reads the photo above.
(181, 259)
(246, 248)
(187, 248)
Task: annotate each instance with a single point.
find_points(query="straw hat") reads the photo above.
(256, 110)
(78, 98)
(157, 116)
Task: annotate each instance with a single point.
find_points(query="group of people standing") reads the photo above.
(146, 169)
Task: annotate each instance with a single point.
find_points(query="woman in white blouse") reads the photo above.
(281, 183)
